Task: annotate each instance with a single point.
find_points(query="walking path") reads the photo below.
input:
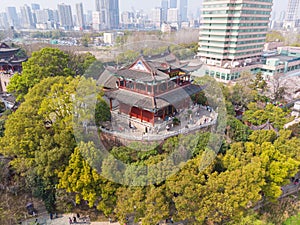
(61, 220)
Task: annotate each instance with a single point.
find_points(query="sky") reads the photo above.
(279, 5)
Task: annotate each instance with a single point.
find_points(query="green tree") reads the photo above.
(157, 204)
(257, 115)
(275, 36)
(85, 182)
(130, 201)
(47, 62)
(236, 130)
(102, 111)
(80, 63)
(39, 135)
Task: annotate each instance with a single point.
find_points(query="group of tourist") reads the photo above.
(75, 218)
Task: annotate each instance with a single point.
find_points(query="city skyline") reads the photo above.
(124, 5)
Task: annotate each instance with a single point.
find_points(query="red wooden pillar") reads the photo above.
(164, 114)
(110, 104)
(141, 115)
(152, 119)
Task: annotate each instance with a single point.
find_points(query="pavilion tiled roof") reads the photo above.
(153, 70)
(5, 48)
(174, 97)
(136, 99)
(106, 79)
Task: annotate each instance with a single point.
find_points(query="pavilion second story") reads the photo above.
(153, 77)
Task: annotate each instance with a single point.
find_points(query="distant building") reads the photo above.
(284, 60)
(109, 13)
(42, 16)
(65, 16)
(27, 17)
(35, 6)
(12, 16)
(291, 14)
(185, 25)
(164, 10)
(168, 28)
(127, 19)
(183, 10)
(282, 16)
(80, 17)
(113, 14)
(156, 17)
(231, 40)
(173, 15)
(109, 38)
(96, 18)
(4, 21)
(173, 4)
(270, 46)
(89, 17)
(194, 23)
(97, 5)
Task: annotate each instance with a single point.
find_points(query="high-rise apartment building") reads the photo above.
(291, 14)
(96, 21)
(164, 10)
(109, 13)
(65, 16)
(97, 5)
(113, 14)
(173, 15)
(156, 17)
(12, 16)
(42, 16)
(183, 10)
(173, 4)
(35, 6)
(26, 17)
(232, 35)
(80, 16)
(3, 21)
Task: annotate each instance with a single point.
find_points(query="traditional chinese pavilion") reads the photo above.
(150, 90)
(9, 62)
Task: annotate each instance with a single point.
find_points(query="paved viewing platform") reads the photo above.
(195, 118)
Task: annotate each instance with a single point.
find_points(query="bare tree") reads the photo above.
(277, 87)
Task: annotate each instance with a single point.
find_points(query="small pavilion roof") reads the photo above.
(141, 70)
(4, 48)
(153, 70)
(265, 126)
(12, 61)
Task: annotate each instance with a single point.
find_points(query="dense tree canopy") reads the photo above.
(48, 62)
(185, 178)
